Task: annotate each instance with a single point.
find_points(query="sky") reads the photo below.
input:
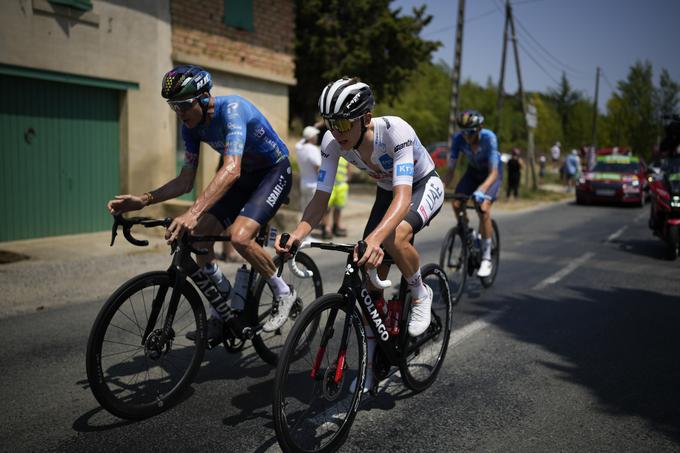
(574, 36)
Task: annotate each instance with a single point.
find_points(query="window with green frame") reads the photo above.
(84, 5)
(239, 14)
(179, 161)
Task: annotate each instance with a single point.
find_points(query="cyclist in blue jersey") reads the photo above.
(483, 176)
(246, 191)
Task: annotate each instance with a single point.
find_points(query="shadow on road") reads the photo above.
(622, 344)
(650, 248)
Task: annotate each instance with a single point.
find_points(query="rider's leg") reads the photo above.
(486, 229)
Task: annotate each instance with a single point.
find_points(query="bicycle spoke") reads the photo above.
(125, 330)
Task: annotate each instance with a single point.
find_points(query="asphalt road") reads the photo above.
(575, 348)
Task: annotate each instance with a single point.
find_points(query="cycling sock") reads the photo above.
(277, 284)
(415, 284)
(486, 249)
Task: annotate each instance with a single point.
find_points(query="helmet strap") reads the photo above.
(361, 136)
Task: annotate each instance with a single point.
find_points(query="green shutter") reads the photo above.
(239, 14)
(84, 5)
(60, 157)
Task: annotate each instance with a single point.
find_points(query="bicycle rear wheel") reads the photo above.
(269, 344)
(495, 256)
(424, 355)
(453, 259)
(134, 377)
(313, 407)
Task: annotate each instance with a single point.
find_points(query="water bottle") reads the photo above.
(220, 281)
(238, 299)
(393, 316)
(381, 306)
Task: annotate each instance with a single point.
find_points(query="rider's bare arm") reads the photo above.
(448, 177)
(182, 184)
(313, 214)
(225, 177)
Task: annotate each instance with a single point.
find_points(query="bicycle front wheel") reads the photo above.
(269, 344)
(313, 407)
(424, 355)
(133, 376)
(495, 256)
(453, 259)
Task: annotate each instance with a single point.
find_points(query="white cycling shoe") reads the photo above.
(280, 312)
(485, 268)
(421, 315)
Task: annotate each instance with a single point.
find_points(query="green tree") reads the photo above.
(638, 106)
(565, 101)
(363, 38)
(424, 102)
(548, 127)
(667, 95)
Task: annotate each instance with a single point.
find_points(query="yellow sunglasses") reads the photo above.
(339, 125)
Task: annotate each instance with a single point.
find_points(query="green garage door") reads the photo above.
(60, 157)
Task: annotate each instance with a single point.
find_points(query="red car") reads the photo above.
(439, 152)
(614, 178)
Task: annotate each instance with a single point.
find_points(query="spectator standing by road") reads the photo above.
(572, 169)
(555, 153)
(515, 166)
(332, 222)
(309, 162)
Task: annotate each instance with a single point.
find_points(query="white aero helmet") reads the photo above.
(345, 99)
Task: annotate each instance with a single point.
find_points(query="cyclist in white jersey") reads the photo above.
(409, 192)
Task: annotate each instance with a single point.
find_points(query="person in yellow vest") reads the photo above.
(337, 201)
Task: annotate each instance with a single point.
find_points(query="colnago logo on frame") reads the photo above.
(375, 316)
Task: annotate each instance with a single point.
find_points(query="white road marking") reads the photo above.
(568, 269)
(472, 328)
(617, 233)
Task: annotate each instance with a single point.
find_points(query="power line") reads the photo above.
(547, 52)
(449, 27)
(537, 63)
(606, 79)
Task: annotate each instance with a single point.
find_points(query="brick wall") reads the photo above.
(198, 29)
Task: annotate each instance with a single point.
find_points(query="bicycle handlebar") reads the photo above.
(464, 198)
(149, 222)
(373, 273)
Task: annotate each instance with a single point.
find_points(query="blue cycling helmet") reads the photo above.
(184, 82)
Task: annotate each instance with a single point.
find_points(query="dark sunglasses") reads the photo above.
(470, 132)
(183, 105)
(339, 125)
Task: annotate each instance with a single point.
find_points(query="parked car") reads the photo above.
(439, 152)
(614, 178)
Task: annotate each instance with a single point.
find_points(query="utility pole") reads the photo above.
(530, 151)
(501, 79)
(455, 76)
(597, 90)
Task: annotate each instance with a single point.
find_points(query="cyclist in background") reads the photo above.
(244, 194)
(483, 176)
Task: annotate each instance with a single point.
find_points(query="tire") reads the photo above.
(453, 258)
(673, 243)
(115, 350)
(269, 345)
(495, 256)
(420, 365)
(313, 414)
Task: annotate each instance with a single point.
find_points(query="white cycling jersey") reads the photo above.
(397, 153)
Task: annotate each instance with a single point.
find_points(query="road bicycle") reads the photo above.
(139, 360)
(326, 351)
(461, 251)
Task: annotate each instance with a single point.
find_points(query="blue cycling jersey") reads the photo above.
(236, 129)
(485, 159)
